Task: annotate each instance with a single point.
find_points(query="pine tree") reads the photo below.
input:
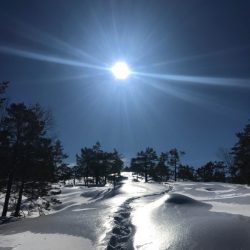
(241, 152)
(97, 163)
(14, 126)
(147, 160)
(136, 166)
(83, 164)
(186, 172)
(206, 172)
(116, 162)
(62, 171)
(3, 87)
(162, 168)
(174, 160)
(28, 150)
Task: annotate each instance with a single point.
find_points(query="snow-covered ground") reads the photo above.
(223, 197)
(195, 216)
(138, 215)
(68, 196)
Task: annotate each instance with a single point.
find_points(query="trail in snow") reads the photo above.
(123, 230)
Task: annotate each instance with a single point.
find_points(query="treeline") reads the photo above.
(94, 166)
(234, 166)
(162, 167)
(168, 166)
(96, 163)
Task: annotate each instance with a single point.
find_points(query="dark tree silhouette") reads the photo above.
(136, 166)
(162, 169)
(211, 171)
(147, 160)
(241, 151)
(97, 163)
(174, 160)
(205, 173)
(226, 156)
(62, 171)
(83, 164)
(186, 172)
(28, 151)
(116, 162)
(3, 87)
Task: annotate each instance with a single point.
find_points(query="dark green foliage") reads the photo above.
(136, 166)
(115, 161)
(3, 87)
(145, 162)
(174, 160)
(159, 168)
(240, 170)
(186, 172)
(211, 171)
(83, 162)
(162, 171)
(62, 171)
(27, 157)
(94, 162)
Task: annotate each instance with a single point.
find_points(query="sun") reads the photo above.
(121, 70)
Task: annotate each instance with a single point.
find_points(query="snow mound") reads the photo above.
(179, 199)
(222, 197)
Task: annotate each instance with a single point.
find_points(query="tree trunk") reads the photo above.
(105, 174)
(114, 181)
(175, 171)
(87, 177)
(19, 201)
(87, 181)
(7, 195)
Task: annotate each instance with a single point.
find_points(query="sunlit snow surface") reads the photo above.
(139, 215)
(28, 240)
(195, 216)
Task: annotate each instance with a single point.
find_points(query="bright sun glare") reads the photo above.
(121, 70)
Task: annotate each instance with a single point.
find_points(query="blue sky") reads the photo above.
(190, 88)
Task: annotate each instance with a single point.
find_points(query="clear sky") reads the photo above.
(190, 84)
